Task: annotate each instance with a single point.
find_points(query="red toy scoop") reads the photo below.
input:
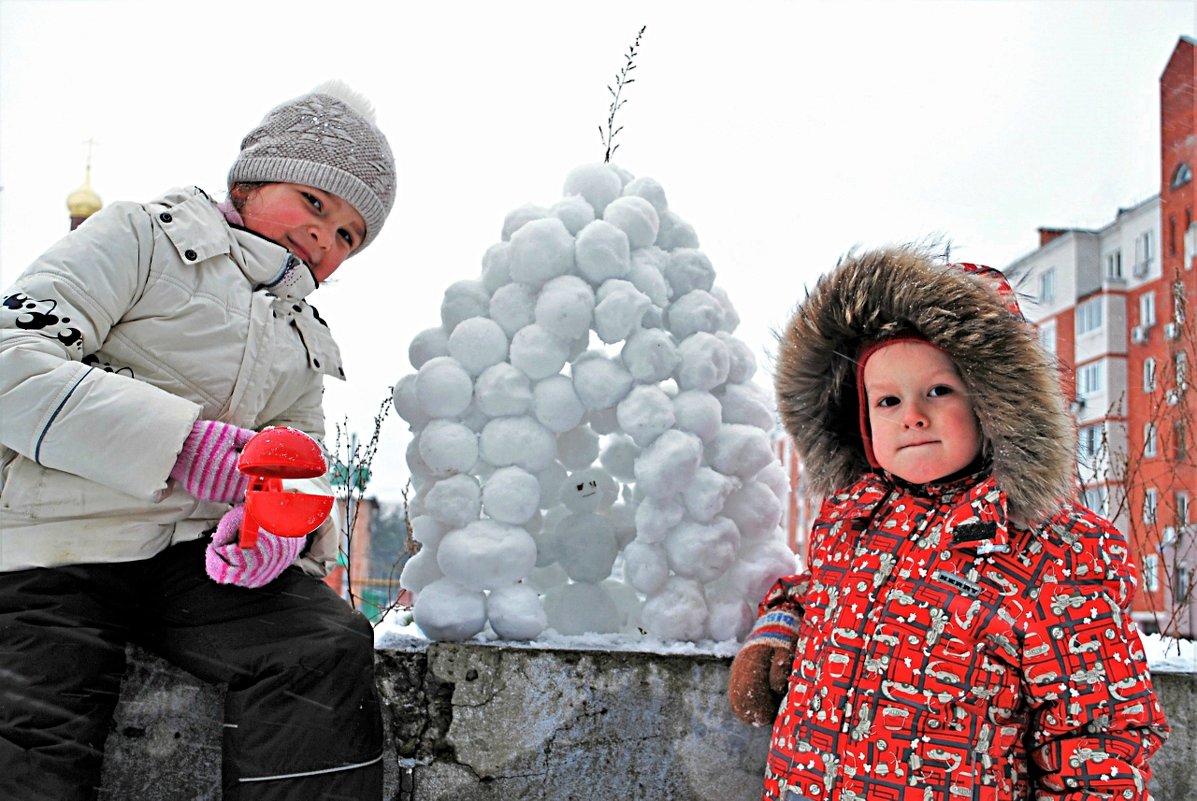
(270, 456)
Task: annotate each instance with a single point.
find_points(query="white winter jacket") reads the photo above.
(112, 344)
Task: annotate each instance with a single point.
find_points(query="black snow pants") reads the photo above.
(301, 719)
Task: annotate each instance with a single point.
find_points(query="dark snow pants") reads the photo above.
(301, 719)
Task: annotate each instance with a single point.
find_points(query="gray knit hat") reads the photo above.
(326, 139)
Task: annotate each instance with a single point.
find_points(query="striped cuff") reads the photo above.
(776, 628)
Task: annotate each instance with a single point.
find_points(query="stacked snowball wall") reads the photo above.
(590, 453)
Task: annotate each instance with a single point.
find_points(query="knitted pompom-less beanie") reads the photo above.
(327, 139)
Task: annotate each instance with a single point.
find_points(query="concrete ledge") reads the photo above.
(475, 722)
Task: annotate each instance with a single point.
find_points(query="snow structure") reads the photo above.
(590, 454)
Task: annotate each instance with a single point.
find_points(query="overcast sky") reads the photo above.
(784, 132)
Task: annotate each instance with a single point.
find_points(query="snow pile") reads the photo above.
(590, 455)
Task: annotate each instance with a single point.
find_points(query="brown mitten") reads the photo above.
(759, 674)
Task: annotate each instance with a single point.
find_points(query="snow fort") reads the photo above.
(590, 453)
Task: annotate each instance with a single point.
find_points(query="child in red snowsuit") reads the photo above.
(963, 632)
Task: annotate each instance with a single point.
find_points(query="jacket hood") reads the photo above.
(1013, 383)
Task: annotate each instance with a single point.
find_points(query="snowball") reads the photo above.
(555, 404)
(574, 211)
(619, 310)
(502, 390)
(518, 218)
(407, 405)
(624, 175)
(552, 478)
(454, 501)
(743, 403)
(597, 183)
(547, 577)
(516, 613)
(701, 551)
(463, 300)
(445, 610)
(601, 252)
(645, 413)
(758, 565)
(677, 612)
(537, 352)
(774, 476)
(511, 495)
(474, 418)
(419, 471)
(636, 217)
(577, 448)
(486, 555)
(699, 413)
(419, 571)
(427, 345)
(656, 517)
(694, 311)
(588, 490)
(623, 517)
(496, 267)
(519, 441)
(755, 510)
(687, 270)
(665, 467)
(704, 362)
(729, 618)
(618, 457)
(731, 319)
(581, 608)
(477, 343)
(705, 495)
(427, 531)
(548, 539)
(650, 356)
(741, 363)
(443, 387)
(565, 307)
(740, 450)
(626, 601)
(645, 567)
(600, 382)
(513, 306)
(675, 233)
(448, 447)
(648, 189)
(540, 250)
(602, 421)
(645, 274)
(587, 546)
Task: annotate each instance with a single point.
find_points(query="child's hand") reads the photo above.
(207, 465)
(759, 676)
(229, 563)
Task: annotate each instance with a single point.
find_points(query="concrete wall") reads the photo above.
(473, 722)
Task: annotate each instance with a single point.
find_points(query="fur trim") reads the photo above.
(1014, 384)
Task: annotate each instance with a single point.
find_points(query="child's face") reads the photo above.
(922, 420)
(319, 228)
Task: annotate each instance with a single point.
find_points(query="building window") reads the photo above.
(1150, 502)
(1144, 252)
(1151, 573)
(1147, 309)
(1047, 285)
(1172, 236)
(1150, 445)
(1178, 302)
(1088, 379)
(1180, 441)
(1094, 498)
(1182, 508)
(1114, 265)
(1088, 315)
(1088, 442)
(1149, 374)
(1180, 363)
(1180, 593)
(1181, 175)
(1047, 337)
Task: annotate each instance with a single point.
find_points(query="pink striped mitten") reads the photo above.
(207, 465)
(229, 563)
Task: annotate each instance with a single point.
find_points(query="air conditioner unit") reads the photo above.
(1171, 331)
(1139, 334)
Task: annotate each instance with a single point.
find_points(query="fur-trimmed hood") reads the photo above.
(1013, 383)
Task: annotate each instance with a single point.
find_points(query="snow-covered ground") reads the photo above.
(397, 630)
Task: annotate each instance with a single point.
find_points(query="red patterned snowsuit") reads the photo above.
(944, 655)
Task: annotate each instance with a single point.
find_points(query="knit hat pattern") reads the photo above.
(327, 141)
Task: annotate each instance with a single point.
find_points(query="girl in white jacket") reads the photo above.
(137, 356)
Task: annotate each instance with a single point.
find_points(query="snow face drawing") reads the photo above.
(589, 452)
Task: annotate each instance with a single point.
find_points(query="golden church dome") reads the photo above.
(84, 202)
